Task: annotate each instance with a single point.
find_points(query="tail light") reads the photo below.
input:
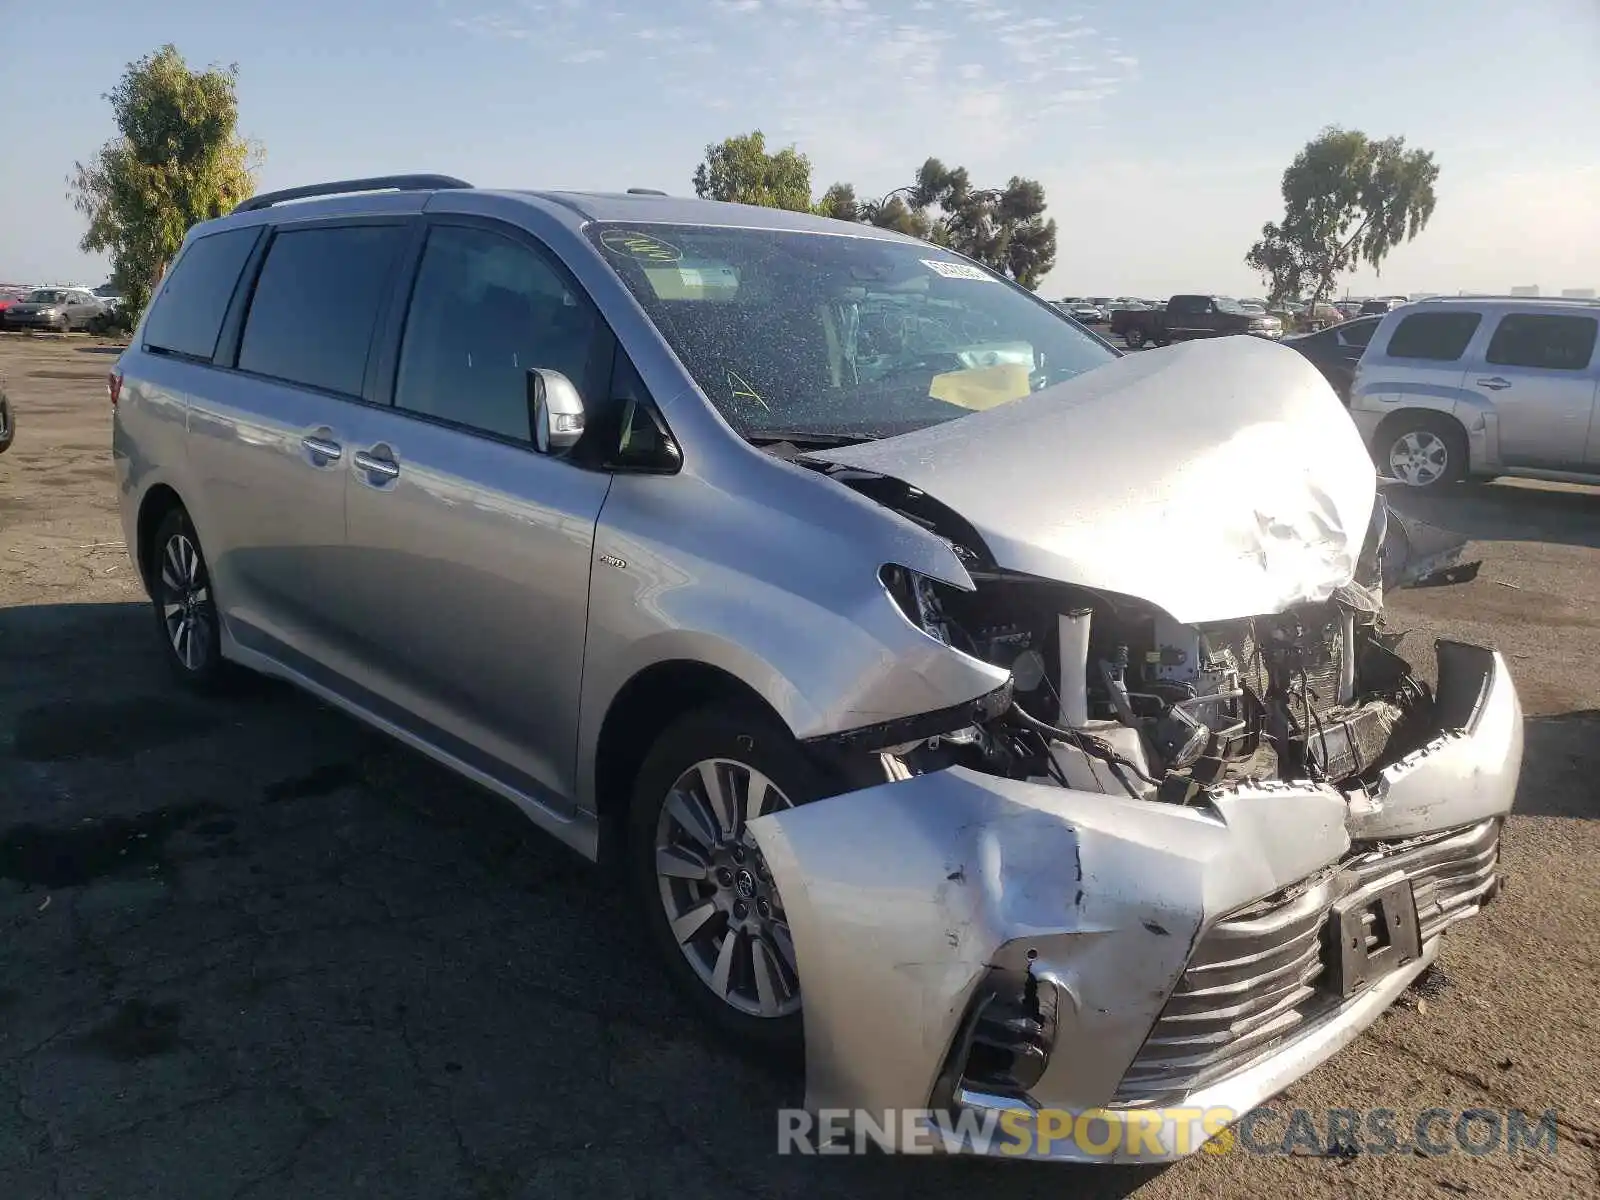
(114, 386)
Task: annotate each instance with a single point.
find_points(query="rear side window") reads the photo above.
(1359, 333)
(1436, 336)
(316, 303)
(1551, 343)
(187, 314)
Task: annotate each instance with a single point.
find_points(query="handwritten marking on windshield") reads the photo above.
(642, 246)
(740, 389)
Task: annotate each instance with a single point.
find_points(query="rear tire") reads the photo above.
(1134, 338)
(1425, 451)
(700, 880)
(185, 606)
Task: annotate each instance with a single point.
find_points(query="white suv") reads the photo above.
(1482, 386)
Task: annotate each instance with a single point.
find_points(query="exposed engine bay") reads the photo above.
(1111, 694)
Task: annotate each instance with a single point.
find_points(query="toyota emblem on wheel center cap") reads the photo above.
(745, 884)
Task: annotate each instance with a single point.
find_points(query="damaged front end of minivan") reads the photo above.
(1215, 822)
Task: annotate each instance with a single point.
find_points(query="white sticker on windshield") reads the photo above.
(952, 270)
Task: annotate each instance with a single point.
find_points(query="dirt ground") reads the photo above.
(250, 949)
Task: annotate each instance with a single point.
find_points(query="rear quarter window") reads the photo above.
(316, 303)
(1433, 336)
(187, 313)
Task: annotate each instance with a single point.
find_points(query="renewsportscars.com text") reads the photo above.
(1157, 1133)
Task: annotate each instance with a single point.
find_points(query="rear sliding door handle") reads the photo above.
(322, 448)
(1494, 383)
(382, 467)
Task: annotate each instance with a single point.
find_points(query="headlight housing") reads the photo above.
(917, 598)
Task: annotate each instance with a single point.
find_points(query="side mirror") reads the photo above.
(555, 410)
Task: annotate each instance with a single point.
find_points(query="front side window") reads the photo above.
(1550, 343)
(187, 313)
(315, 305)
(1434, 336)
(484, 310)
(45, 296)
(839, 337)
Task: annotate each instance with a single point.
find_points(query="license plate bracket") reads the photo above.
(1369, 934)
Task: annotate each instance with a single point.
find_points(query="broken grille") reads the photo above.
(1255, 979)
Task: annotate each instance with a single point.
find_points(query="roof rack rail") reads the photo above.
(1469, 296)
(645, 192)
(378, 183)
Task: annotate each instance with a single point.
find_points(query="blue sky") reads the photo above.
(1160, 129)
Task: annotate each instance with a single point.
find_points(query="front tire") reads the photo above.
(711, 907)
(185, 605)
(1424, 451)
(1134, 338)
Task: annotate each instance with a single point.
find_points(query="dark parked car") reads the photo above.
(1187, 317)
(1336, 351)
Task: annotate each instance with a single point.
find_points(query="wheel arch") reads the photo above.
(644, 706)
(158, 501)
(1400, 416)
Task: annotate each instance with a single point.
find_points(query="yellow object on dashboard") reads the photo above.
(981, 387)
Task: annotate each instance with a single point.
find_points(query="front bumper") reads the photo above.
(1181, 947)
(18, 320)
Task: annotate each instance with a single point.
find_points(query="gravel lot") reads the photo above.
(250, 949)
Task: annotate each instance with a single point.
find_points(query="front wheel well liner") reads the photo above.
(157, 503)
(646, 705)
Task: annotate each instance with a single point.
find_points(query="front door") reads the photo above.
(469, 551)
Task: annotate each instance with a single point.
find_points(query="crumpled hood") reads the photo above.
(1215, 479)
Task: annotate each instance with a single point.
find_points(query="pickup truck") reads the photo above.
(1187, 317)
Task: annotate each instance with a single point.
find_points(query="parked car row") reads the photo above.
(1097, 310)
(1193, 316)
(57, 309)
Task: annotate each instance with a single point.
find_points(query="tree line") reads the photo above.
(177, 158)
(1005, 228)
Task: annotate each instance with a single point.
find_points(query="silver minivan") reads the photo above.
(1009, 722)
(1480, 386)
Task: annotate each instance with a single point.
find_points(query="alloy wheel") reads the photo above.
(720, 899)
(1419, 458)
(186, 601)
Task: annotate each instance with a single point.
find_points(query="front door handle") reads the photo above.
(384, 468)
(1494, 383)
(322, 449)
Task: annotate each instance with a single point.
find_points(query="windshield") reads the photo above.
(46, 296)
(1229, 304)
(839, 337)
